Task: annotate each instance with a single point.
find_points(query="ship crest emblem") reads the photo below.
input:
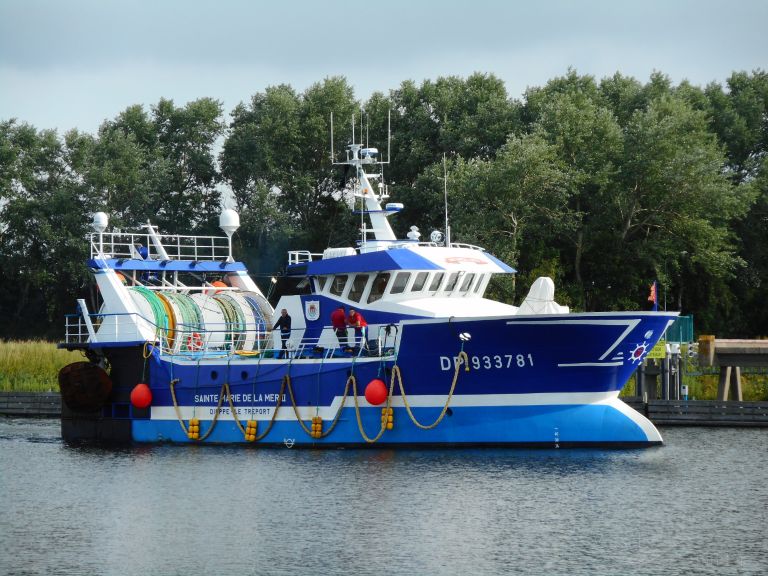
(312, 309)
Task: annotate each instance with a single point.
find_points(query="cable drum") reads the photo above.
(189, 323)
(250, 322)
(235, 320)
(151, 308)
(213, 323)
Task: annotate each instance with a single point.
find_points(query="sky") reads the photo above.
(75, 63)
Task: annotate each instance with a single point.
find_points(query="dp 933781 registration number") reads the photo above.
(490, 362)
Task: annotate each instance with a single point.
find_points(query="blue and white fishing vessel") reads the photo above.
(183, 347)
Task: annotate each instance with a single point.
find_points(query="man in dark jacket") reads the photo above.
(284, 323)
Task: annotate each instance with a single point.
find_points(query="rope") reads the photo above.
(462, 359)
(271, 420)
(215, 414)
(287, 380)
(357, 411)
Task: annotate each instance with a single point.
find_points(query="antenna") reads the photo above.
(445, 194)
(353, 127)
(389, 132)
(333, 155)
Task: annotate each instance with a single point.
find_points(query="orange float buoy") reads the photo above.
(141, 396)
(376, 392)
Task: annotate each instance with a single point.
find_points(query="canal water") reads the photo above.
(698, 505)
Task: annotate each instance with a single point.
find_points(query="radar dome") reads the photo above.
(229, 221)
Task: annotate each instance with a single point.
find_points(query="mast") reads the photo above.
(359, 156)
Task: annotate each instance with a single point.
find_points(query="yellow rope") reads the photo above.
(274, 414)
(287, 379)
(462, 359)
(357, 411)
(181, 420)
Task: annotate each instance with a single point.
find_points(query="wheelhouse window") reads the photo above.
(467, 283)
(401, 280)
(436, 280)
(379, 286)
(451, 284)
(419, 281)
(337, 286)
(358, 287)
(322, 283)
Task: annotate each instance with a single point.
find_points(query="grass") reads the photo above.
(754, 387)
(32, 365)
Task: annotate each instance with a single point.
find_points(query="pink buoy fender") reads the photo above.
(141, 396)
(376, 392)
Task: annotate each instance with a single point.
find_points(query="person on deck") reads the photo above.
(339, 324)
(284, 323)
(357, 321)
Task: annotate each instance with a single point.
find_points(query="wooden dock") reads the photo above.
(30, 404)
(702, 412)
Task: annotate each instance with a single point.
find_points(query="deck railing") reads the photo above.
(176, 247)
(193, 341)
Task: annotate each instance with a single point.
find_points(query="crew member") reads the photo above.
(339, 324)
(284, 323)
(357, 321)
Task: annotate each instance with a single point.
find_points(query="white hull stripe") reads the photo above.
(257, 412)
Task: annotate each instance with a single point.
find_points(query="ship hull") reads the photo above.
(516, 381)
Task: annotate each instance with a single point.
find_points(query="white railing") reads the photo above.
(301, 256)
(125, 245)
(186, 340)
(470, 246)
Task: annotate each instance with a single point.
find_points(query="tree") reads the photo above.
(279, 146)
(43, 218)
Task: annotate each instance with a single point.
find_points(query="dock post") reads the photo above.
(665, 378)
(729, 375)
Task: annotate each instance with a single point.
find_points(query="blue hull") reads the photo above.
(544, 381)
(552, 426)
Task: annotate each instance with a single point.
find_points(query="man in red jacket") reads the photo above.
(357, 321)
(339, 323)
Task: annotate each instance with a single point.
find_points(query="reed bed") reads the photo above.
(32, 365)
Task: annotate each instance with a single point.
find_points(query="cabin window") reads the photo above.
(479, 285)
(436, 279)
(358, 286)
(337, 287)
(418, 283)
(379, 285)
(401, 279)
(467, 283)
(322, 282)
(451, 284)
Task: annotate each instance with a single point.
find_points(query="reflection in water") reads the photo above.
(696, 505)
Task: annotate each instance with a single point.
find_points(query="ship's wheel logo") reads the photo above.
(636, 356)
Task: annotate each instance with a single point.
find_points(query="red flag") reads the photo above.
(652, 296)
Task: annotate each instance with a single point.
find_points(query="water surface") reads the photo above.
(698, 505)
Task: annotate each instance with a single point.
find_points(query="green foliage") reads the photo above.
(604, 186)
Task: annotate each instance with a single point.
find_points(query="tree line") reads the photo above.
(603, 185)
